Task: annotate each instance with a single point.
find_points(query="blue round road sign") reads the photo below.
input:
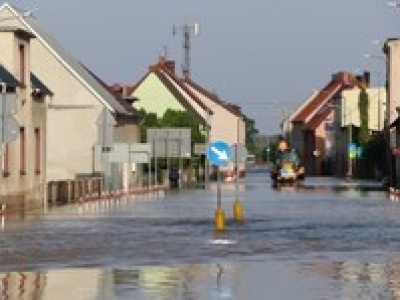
(219, 153)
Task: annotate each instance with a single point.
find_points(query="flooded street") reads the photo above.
(330, 239)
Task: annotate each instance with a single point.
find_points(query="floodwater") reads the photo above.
(329, 239)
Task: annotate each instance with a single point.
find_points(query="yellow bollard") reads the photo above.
(237, 211)
(219, 221)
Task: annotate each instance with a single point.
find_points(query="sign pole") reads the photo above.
(219, 218)
(167, 154)
(219, 205)
(219, 153)
(180, 161)
(155, 165)
(237, 205)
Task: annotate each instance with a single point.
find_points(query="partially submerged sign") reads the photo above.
(239, 153)
(219, 153)
(124, 153)
(170, 142)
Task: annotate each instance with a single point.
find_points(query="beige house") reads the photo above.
(227, 122)
(392, 52)
(72, 115)
(23, 122)
(350, 114)
(347, 124)
(317, 127)
(161, 89)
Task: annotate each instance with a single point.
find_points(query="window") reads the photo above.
(22, 160)
(22, 64)
(6, 162)
(37, 151)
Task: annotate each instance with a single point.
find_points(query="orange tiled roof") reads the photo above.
(321, 98)
(319, 117)
(234, 109)
(311, 114)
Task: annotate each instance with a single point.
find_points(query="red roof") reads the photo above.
(316, 110)
(319, 117)
(320, 99)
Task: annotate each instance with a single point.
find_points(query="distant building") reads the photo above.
(392, 52)
(161, 89)
(317, 125)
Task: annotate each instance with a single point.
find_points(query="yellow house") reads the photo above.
(161, 89)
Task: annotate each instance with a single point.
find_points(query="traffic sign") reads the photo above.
(124, 153)
(352, 150)
(199, 149)
(105, 123)
(170, 142)
(219, 153)
(239, 153)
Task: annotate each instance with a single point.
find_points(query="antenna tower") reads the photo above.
(188, 31)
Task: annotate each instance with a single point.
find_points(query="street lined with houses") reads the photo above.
(162, 189)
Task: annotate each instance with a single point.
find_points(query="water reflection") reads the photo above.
(361, 280)
(22, 285)
(350, 279)
(153, 282)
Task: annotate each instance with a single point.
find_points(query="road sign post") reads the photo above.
(119, 153)
(219, 153)
(240, 155)
(105, 124)
(170, 143)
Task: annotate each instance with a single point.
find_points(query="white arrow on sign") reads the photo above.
(222, 155)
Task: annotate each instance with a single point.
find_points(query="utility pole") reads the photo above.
(349, 157)
(187, 31)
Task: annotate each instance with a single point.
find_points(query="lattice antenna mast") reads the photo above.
(188, 31)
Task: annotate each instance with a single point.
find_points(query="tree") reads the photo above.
(251, 133)
(150, 120)
(171, 118)
(363, 105)
(183, 119)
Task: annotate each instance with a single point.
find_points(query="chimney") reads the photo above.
(170, 65)
(166, 64)
(367, 79)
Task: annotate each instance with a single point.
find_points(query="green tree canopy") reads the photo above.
(251, 133)
(183, 119)
(173, 119)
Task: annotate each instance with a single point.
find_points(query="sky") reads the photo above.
(267, 56)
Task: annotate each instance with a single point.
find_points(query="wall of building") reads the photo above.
(225, 126)
(155, 97)
(393, 77)
(350, 113)
(22, 179)
(71, 119)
